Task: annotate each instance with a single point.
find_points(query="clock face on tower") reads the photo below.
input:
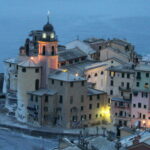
(52, 35)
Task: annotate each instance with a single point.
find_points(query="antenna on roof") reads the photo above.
(48, 16)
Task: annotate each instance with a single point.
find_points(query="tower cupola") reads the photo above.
(48, 34)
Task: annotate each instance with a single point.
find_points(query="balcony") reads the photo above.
(127, 89)
(122, 107)
(31, 108)
(12, 94)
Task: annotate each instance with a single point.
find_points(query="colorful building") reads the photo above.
(141, 96)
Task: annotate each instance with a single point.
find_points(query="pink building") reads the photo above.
(141, 109)
(141, 96)
(121, 111)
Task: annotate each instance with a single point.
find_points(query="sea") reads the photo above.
(124, 19)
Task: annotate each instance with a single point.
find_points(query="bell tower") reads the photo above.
(47, 52)
(48, 46)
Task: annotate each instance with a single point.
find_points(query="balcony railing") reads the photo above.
(12, 94)
(124, 88)
(122, 106)
(31, 108)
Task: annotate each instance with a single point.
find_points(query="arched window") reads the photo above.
(36, 84)
(43, 51)
(53, 50)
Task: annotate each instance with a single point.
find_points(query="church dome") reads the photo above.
(48, 27)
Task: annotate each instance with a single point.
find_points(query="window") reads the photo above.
(31, 97)
(45, 109)
(70, 62)
(147, 75)
(137, 84)
(145, 106)
(146, 85)
(74, 118)
(90, 116)
(121, 113)
(111, 82)
(52, 81)
(112, 61)
(100, 47)
(122, 75)
(140, 115)
(36, 98)
(23, 69)
(96, 116)
(36, 84)
(112, 74)
(77, 60)
(138, 75)
(53, 51)
(89, 76)
(91, 97)
(144, 116)
(9, 65)
(144, 94)
(139, 105)
(122, 84)
(97, 105)
(71, 99)
(111, 92)
(134, 105)
(98, 96)
(81, 108)
(71, 84)
(60, 99)
(43, 52)
(102, 72)
(61, 83)
(82, 98)
(95, 75)
(128, 75)
(121, 93)
(46, 99)
(135, 93)
(128, 85)
(90, 106)
(82, 83)
(37, 70)
(46, 117)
